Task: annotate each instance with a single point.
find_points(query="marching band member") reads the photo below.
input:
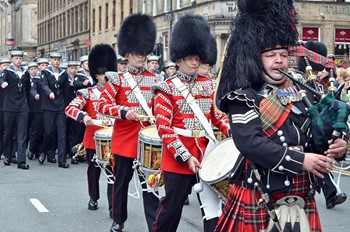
(125, 97)
(102, 58)
(279, 165)
(183, 129)
(55, 86)
(329, 188)
(17, 89)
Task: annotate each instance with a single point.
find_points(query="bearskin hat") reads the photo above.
(190, 36)
(102, 58)
(317, 47)
(260, 25)
(213, 52)
(137, 34)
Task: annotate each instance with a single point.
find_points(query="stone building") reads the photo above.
(19, 26)
(63, 26)
(327, 22)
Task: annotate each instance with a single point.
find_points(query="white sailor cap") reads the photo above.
(152, 58)
(16, 53)
(121, 59)
(42, 60)
(5, 61)
(72, 63)
(170, 64)
(64, 65)
(24, 63)
(32, 64)
(82, 59)
(55, 55)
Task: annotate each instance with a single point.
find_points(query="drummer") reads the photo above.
(184, 135)
(102, 58)
(136, 39)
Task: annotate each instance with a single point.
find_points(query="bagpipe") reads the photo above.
(328, 115)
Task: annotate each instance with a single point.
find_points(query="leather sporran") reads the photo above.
(291, 215)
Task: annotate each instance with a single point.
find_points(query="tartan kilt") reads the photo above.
(242, 213)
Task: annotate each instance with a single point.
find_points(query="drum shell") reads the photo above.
(150, 148)
(217, 166)
(103, 138)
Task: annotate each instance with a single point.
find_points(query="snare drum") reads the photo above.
(217, 166)
(103, 138)
(218, 134)
(150, 148)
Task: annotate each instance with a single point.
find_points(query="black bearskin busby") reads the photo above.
(213, 52)
(317, 47)
(190, 36)
(260, 25)
(137, 34)
(102, 58)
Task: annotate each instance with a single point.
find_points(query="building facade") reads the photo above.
(19, 26)
(63, 26)
(327, 22)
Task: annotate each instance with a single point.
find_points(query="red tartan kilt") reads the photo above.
(242, 213)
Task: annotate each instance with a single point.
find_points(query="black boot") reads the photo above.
(41, 158)
(51, 157)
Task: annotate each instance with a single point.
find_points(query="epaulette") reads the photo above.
(84, 93)
(162, 86)
(113, 77)
(249, 96)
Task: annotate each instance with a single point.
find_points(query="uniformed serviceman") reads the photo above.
(4, 64)
(17, 88)
(55, 92)
(136, 39)
(83, 78)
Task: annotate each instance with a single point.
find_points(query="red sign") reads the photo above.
(342, 35)
(88, 43)
(9, 42)
(310, 33)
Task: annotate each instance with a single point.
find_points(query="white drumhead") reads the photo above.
(104, 133)
(219, 161)
(150, 132)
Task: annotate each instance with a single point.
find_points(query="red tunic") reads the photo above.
(118, 96)
(171, 110)
(86, 100)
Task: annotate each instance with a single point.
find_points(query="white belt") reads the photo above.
(190, 133)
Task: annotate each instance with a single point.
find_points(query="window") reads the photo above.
(76, 19)
(131, 3)
(342, 43)
(121, 10)
(81, 18)
(114, 14)
(100, 18)
(310, 33)
(93, 20)
(154, 8)
(106, 23)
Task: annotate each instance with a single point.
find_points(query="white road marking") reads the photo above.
(38, 205)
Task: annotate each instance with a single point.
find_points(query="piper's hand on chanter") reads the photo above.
(131, 115)
(193, 164)
(337, 149)
(317, 164)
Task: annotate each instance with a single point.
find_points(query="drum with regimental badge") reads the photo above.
(150, 148)
(217, 166)
(218, 134)
(103, 138)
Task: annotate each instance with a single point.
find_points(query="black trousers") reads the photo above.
(13, 120)
(1, 132)
(77, 135)
(93, 176)
(123, 173)
(55, 122)
(36, 133)
(177, 188)
(328, 188)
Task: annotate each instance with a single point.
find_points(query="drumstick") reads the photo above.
(143, 117)
(97, 123)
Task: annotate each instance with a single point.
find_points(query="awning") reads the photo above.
(342, 35)
(310, 33)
